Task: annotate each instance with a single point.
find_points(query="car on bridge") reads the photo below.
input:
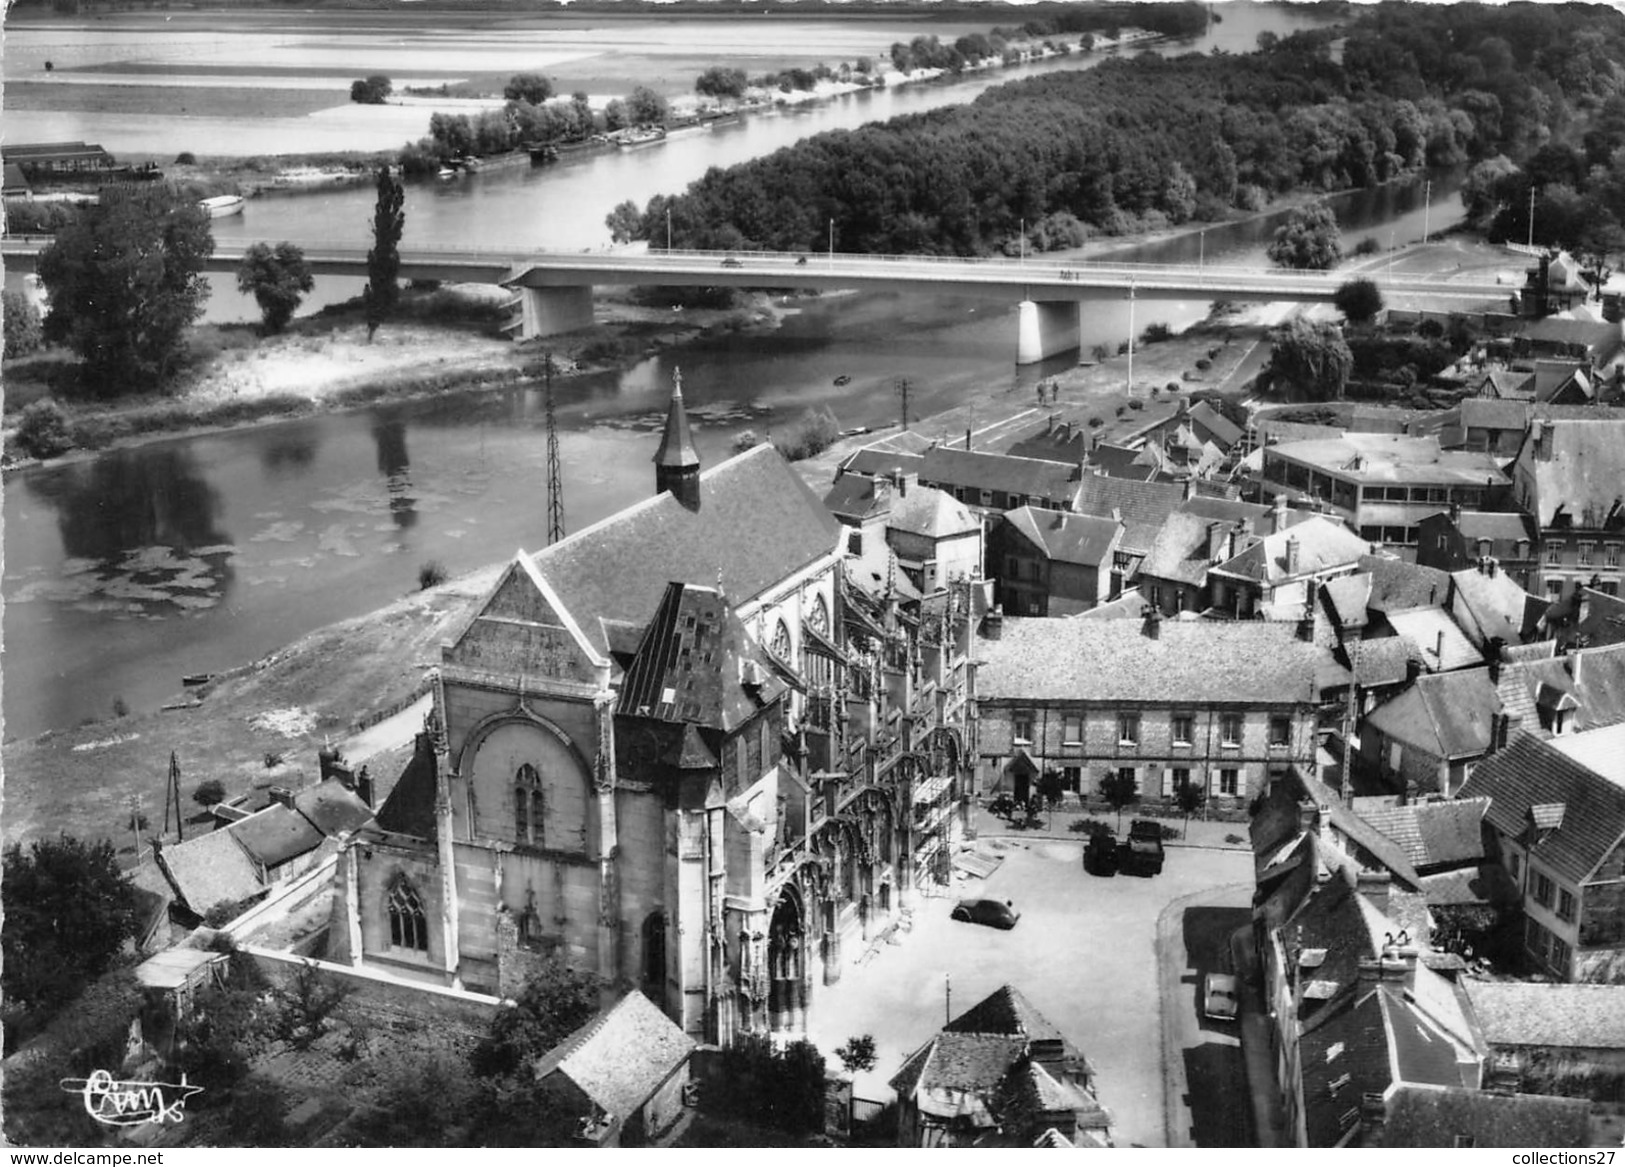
(733, 262)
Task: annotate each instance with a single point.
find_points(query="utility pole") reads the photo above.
(134, 803)
(555, 490)
(1131, 338)
(1531, 215)
(668, 228)
(1427, 209)
(947, 999)
(832, 243)
(172, 795)
(901, 386)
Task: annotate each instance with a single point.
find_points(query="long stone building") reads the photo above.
(681, 748)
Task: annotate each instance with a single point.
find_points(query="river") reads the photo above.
(196, 554)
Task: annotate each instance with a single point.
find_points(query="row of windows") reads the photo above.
(1545, 891)
(1556, 585)
(1585, 552)
(1350, 495)
(1227, 782)
(1393, 536)
(1182, 729)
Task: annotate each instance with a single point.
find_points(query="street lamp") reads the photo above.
(1131, 336)
(1023, 259)
(1427, 209)
(668, 228)
(832, 243)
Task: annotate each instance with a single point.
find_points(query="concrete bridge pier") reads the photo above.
(1045, 328)
(550, 311)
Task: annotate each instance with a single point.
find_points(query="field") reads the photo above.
(149, 85)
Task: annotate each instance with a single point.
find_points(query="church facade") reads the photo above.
(681, 748)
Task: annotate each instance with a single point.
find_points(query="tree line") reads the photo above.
(1150, 141)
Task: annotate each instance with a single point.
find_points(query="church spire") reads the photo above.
(677, 463)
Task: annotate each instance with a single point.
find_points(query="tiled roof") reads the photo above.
(1271, 431)
(1532, 772)
(209, 870)
(1486, 883)
(1343, 1058)
(1600, 689)
(1204, 661)
(1602, 750)
(1006, 1010)
(1121, 462)
(1554, 1016)
(969, 1062)
(1180, 550)
(1396, 583)
(276, 835)
(1067, 538)
(873, 460)
(1436, 640)
(1583, 476)
(1448, 715)
(1501, 526)
(1381, 662)
(997, 472)
(622, 1056)
(1433, 1116)
(757, 524)
(691, 665)
(1491, 606)
(1508, 383)
(1435, 834)
(853, 497)
(1494, 413)
(1323, 545)
(331, 807)
(1220, 429)
(936, 514)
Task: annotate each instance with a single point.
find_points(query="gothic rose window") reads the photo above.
(408, 927)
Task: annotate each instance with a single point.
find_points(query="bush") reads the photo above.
(185, 158)
(1136, 404)
(431, 575)
(1171, 387)
(1096, 422)
(814, 434)
(1203, 364)
(209, 792)
(1100, 352)
(27, 217)
(25, 333)
(371, 90)
(1154, 333)
(744, 440)
(43, 431)
(1366, 246)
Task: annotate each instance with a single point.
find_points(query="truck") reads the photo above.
(1141, 852)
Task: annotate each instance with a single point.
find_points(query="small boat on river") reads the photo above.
(220, 206)
(842, 380)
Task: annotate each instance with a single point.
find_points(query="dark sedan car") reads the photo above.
(993, 913)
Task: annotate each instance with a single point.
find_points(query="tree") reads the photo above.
(1308, 240)
(125, 278)
(43, 431)
(625, 222)
(210, 792)
(1358, 300)
(68, 911)
(718, 81)
(371, 90)
(1312, 357)
(384, 259)
(277, 278)
(555, 1002)
(25, 332)
(305, 1006)
(858, 1054)
(1119, 790)
(531, 87)
(1189, 796)
(1051, 789)
(646, 107)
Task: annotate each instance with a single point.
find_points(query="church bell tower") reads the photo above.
(677, 464)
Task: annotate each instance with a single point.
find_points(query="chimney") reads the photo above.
(1306, 623)
(363, 786)
(1117, 515)
(1455, 513)
(1413, 670)
(1278, 515)
(1493, 648)
(993, 623)
(1153, 624)
(967, 437)
(1583, 610)
(1370, 972)
(1309, 816)
(1398, 962)
(1292, 555)
(1576, 660)
(1374, 886)
(1190, 488)
(283, 795)
(1215, 542)
(1438, 647)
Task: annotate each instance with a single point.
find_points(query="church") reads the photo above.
(686, 748)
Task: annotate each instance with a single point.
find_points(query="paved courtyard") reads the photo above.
(1084, 953)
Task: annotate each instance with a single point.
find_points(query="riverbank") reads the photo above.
(445, 341)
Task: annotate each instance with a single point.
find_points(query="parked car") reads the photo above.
(1219, 1001)
(993, 913)
(1100, 854)
(732, 262)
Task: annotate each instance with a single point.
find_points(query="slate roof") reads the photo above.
(1349, 597)
(1144, 506)
(1234, 511)
(1602, 750)
(1067, 538)
(1201, 661)
(1323, 545)
(1448, 715)
(935, 514)
(1584, 475)
(1398, 584)
(1271, 432)
(209, 870)
(1122, 462)
(1433, 1116)
(690, 665)
(1490, 606)
(1128, 606)
(1530, 772)
(1500, 526)
(1485, 884)
(853, 498)
(276, 835)
(1515, 384)
(331, 807)
(1385, 661)
(975, 469)
(409, 809)
(1436, 640)
(622, 1056)
(1600, 689)
(1343, 1058)
(1553, 1016)
(872, 460)
(676, 450)
(1006, 1010)
(1603, 622)
(1435, 834)
(1494, 413)
(757, 524)
(1220, 429)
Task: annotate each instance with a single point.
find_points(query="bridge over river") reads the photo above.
(554, 290)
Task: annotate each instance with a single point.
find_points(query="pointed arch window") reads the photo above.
(408, 927)
(819, 620)
(781, 641)
(527, 804)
